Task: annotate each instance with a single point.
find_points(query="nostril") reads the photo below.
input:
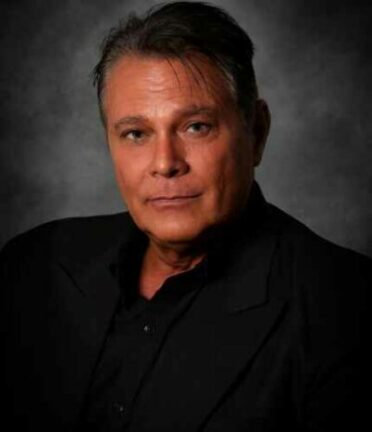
(170, 172)
(170, 168)
(173, 172)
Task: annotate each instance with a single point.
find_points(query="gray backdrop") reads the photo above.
(313, 67)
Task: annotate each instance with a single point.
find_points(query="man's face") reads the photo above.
(183, 158)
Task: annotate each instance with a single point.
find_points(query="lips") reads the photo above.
(172, 200)
(172, 197)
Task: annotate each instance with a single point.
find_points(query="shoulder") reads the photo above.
(310, 254)
(70, 237)
(327, 287)
(327, 284)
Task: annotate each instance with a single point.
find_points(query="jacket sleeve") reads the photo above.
(335, 348)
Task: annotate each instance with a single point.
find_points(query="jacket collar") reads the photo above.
(242, 255)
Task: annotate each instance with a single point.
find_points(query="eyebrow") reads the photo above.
(184, 112)
(129, 120)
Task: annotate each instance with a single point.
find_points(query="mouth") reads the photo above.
(172, 200)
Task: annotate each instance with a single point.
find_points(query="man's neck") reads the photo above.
(161, 262)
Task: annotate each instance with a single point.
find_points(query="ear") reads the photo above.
(260, 129)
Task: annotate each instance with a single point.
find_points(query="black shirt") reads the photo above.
(138, 335)
(135, 341)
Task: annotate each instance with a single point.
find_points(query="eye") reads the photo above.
(199, 128)
(133, 135)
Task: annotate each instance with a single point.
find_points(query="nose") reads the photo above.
(169, 158)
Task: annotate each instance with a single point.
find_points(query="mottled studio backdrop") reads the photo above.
(313, 66)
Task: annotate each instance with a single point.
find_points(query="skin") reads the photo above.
(183, 156)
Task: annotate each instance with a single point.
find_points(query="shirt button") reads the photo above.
(147, 328)
(119, 408)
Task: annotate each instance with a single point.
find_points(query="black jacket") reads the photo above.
(277, 341)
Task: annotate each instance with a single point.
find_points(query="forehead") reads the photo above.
(137, 81)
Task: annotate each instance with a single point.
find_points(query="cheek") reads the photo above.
(219, 166)
(128, 173)
(229, 173)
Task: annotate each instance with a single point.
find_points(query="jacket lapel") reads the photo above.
(87, 295)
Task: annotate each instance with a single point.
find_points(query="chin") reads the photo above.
(174, 233)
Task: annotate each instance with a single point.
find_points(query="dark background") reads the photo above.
(313, 66)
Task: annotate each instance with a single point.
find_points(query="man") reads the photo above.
(204, 308)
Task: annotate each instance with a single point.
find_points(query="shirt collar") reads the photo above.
(222, 244)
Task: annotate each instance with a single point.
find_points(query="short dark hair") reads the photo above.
(175, 30)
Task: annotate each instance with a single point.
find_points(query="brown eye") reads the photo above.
(133, 135)
(199, 128)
